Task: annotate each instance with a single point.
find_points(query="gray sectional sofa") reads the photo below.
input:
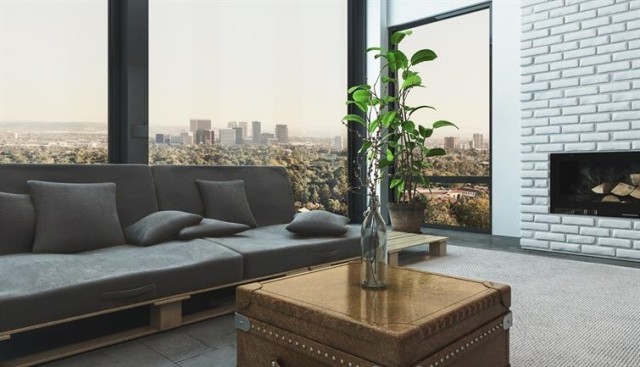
(39, 289)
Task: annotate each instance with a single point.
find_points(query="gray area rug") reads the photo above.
(566, 313)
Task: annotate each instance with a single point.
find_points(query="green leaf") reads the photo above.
(443, 123)
(397, 37)
(397, 60)
(362, 95)
(395, 182)
(384, 163)
(408, 126)
(365, 146)
(388, 117)
(411, 81)
(361, 106)
(389, 99)
(425, 132)
(408, 73)
(389, 155)
(422, 56)
(373, 126)
(386, 79)
(353, 117)
(414, 109)
(374, 49)
(356, 87)
(436, 152)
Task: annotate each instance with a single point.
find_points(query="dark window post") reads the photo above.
(128, 81)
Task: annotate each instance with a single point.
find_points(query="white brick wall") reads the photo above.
(580, 81)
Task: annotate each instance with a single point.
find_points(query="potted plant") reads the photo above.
(392, 136)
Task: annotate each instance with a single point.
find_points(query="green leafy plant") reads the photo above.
(391, 134)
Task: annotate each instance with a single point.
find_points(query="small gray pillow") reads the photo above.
(75, 217)
(159, 227)
(318, 223)
(226, 201)
(17, 223)
(211, 228)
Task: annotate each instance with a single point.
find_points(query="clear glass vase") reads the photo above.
(374, 249)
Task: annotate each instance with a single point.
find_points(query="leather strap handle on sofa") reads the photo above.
(129, 293)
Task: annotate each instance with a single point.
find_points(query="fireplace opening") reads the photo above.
(601, 184)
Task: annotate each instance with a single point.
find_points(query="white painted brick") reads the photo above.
(597, 232)
(563, 102)
(627, 135)
(636, 245)
(535, 139)
(526, 61)
(526, 234)
(584, 240)
(564, 138)
(634, 24)
(536, 209)
(578, 110)
(636, 225)
(628, 254)
(595, 4)
(535, 174)
(526, 27)
(535, 157)
(533, 68)
(635, 64)
(526, 97)
(612, 47)
(524, 45)
(593, 60)
(546, 41)
(534, 34)
(565, 29)
(552, 219)
(631, 234)
(565, 247)
(548, 236)
(534, 17)
(548, 112)
(527, 131)
(620, 27)
(633, 44)
(613, 126)
(548, 5)
(628, 15)
(561, 228)
(595, 41)
(547, 76)
(535, 122)
(548, 23)
(583, 52)
(526, 201)
(613, 9)
(535, 226)
(616, 66)
(593, 99)
(580, 147)
(625, 75)
(542, 201)
(534, 192)
(526, 217)
(635, 145)
(565, 82)
(566, 9)
(615, 223)
(565, 46)
(549, 148)
(615, 87)
(627, 55)
(598, 250)
(526, 79)
(564, 120)
(568, 73)
(578, 221)
(548, 94)
(578, 128)
(623, 145)
(599, 117)
(542, 166)
(581, 91)
(614, 242)
(624, 116)
(597, 22)
(527, 166)
(534, 105)
(548, 58)
(615, 106)
(526, 148)
(547, 130)
(563, 64)
(594, 137)
(542, 50)
(535, 87)
(626, 96)
(534, 243)
(580, 16)
(625, 36)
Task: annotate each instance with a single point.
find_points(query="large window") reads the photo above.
(53, 81)
(458, 85)
(252, 83)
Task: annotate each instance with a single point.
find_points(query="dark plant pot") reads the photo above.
(406, 217)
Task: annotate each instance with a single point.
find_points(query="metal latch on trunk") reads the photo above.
(507, 321)
(242, 322)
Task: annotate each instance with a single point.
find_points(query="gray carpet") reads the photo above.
(566, 313)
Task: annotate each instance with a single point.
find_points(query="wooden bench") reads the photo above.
(398, 241)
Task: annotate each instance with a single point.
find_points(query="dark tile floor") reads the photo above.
(212, 343)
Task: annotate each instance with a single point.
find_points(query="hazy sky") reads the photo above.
(279, 62)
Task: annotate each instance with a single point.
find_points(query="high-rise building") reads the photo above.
(245, 128)
(450, 143)
(266, 138)
(478, 141)
(238, 134)
(175, 139)
(337, 143)
(199, 124)
(227, 136)
(186, 139)
(255, 132)
(159, 138)
(282, 133)
(204, 137)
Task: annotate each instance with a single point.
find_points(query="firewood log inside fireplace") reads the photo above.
(622, 189)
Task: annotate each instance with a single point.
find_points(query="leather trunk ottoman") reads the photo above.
(324, 318)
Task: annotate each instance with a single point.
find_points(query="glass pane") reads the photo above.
(53, 81)
(252, 83)
(458, 204)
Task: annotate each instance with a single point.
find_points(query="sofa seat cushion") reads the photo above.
(272, 249)
(37, 288)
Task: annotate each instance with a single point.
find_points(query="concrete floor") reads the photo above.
(212, 343)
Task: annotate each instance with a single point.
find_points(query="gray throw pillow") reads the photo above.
(17, 223)
(318, 223)
(211, 228)
(75, 217)
(159, 227)
(226, 201)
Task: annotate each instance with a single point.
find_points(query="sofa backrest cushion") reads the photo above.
(135, 192)
(268, 189)
(17, 223)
